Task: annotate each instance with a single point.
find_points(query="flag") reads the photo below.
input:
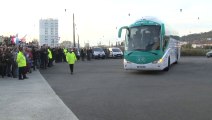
(13, 39)
(23, 40)
(17, 41)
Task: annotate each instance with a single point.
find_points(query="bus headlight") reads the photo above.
(158, 61)
(127, 62)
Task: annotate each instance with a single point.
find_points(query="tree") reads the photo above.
(35, 41)
(122, 43)
(7, 41)
(66, 44)
(189, 45)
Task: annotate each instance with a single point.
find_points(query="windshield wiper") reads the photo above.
(130, 53)
(139, 49)
(146, 51)
(142, 50)
(153, 53)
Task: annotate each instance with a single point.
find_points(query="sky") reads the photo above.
(98, 21)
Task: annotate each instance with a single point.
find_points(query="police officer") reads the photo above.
(21, 60)
(71, 58)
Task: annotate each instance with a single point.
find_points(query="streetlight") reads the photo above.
(73, 31)
(115, 33)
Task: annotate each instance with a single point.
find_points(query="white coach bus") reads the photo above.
(150, 45)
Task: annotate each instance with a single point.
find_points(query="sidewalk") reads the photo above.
(31, 99)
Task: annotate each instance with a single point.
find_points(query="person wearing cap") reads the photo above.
(71, 58)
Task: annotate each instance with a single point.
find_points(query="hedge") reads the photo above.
(193, 52)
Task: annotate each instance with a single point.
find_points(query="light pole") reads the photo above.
(78, 41)
(73, 31)
(116, 33)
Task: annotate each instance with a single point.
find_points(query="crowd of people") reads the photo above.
(34, 57)
(13, 64)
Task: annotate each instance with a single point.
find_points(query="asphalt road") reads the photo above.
(103, 90)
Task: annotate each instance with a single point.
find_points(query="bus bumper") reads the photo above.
(148, 66)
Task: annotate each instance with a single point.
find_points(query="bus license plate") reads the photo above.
(141, 66)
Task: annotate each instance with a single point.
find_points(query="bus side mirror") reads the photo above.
(120, 31)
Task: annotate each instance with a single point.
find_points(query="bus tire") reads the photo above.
(168, 66)
(176, 59)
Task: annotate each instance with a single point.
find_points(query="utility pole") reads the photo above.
(78, 41)
(74, 32)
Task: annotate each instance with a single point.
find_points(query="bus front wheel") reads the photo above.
(168, 66)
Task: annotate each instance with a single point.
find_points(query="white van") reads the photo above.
(115, 52)
(98, 52)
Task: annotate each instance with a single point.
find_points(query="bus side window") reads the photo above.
(165, 42)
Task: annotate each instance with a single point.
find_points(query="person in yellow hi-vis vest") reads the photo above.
(71, 59)
(64, 54)
(65, 51)
(50, 57)
(21, 61)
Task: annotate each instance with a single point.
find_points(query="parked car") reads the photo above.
(115, 52)
(209, 54)
(98, 52)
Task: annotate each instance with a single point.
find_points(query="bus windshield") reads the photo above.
(144, 38)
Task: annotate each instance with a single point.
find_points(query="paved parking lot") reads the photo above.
(103, 90)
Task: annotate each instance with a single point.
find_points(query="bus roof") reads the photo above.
(147, 21)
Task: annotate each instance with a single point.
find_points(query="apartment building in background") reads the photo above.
(48, 32)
